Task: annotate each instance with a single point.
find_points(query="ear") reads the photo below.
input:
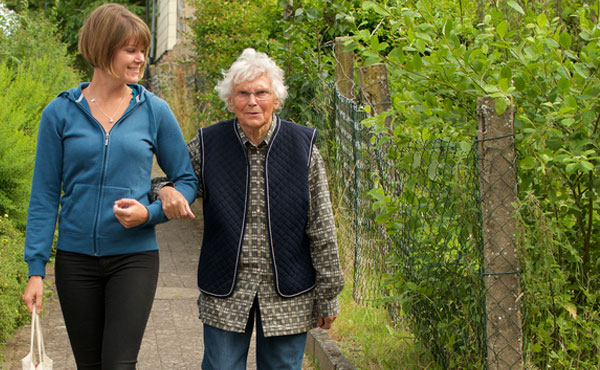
(230, 103)
(276, 104)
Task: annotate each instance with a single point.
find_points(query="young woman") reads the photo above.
(95, 150)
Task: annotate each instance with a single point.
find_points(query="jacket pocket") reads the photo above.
(90, 205)
(108, 223)
(78, 211)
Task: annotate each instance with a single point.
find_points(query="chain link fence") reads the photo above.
(430, 270)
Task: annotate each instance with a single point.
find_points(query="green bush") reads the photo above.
(221, 30)
(34, 68)
(440, 58)
(13, 279)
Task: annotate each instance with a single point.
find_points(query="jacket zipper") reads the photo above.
(104, 164)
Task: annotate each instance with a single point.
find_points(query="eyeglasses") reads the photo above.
(258, 95)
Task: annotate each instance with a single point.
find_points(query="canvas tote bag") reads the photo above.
(43, 361)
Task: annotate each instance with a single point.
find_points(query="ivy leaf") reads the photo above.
(515, 6)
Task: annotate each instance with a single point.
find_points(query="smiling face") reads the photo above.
(253, 103)
(128, 62)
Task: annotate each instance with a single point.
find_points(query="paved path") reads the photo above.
(173, 337)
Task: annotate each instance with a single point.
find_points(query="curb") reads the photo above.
(321, 347)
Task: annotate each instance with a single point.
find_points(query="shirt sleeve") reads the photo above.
(323, 241)
(45, 194)
(193, 148)
(173, 159)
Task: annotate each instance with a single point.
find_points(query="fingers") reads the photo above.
(325, 322)
(34, 293)
(174, 205)
(188, 211)
(130, 212)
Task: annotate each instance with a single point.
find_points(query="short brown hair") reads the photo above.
(108, 28)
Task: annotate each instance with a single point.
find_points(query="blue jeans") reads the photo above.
(226, 350)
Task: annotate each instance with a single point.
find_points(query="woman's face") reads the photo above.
(253, 103)
(128, 61)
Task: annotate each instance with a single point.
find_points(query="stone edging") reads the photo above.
(321, 347)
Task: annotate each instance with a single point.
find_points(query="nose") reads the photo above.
(252, 99)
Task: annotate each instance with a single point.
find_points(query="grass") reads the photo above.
(365, 333)
(367, 336)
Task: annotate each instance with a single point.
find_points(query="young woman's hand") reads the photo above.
(130, 212)
(34, 293)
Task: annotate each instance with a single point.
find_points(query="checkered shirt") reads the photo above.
(280, 316)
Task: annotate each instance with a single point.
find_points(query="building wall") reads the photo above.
(166, 26)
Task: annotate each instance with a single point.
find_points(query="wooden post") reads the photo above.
(374, 87)
(497, 168)
(344, 68)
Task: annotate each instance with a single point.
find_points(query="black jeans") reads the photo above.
(106, 303)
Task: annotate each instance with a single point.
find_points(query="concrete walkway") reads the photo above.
(173, 338)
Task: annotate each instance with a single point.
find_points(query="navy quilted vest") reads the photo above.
(226, 179)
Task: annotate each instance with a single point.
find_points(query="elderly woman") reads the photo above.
(269, 250)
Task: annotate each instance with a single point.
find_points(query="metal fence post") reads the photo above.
(497, 168)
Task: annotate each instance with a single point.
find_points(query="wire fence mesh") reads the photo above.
(429, 265)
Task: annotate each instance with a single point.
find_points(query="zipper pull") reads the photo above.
(106, 140)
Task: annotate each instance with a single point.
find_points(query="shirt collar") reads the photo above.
(267, 139)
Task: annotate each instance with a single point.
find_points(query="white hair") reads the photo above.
(249, 66)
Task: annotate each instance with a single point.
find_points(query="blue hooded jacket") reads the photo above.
(85, 170)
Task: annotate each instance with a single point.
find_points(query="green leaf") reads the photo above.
(370, 5)
(515, 6)
(565, 40)
(503, 84)
(571, 167)
(542, 20)
(568, 122)
(564, 83)
(586, 166)
(501, 105)
(420, 45)
(506, 72)
(417, 63)
(432, 170)
(416, 160)
(501, 28)
(448, 26)
(411, 286)
(528, 163)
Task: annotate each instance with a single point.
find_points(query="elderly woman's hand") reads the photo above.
(174, 205)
